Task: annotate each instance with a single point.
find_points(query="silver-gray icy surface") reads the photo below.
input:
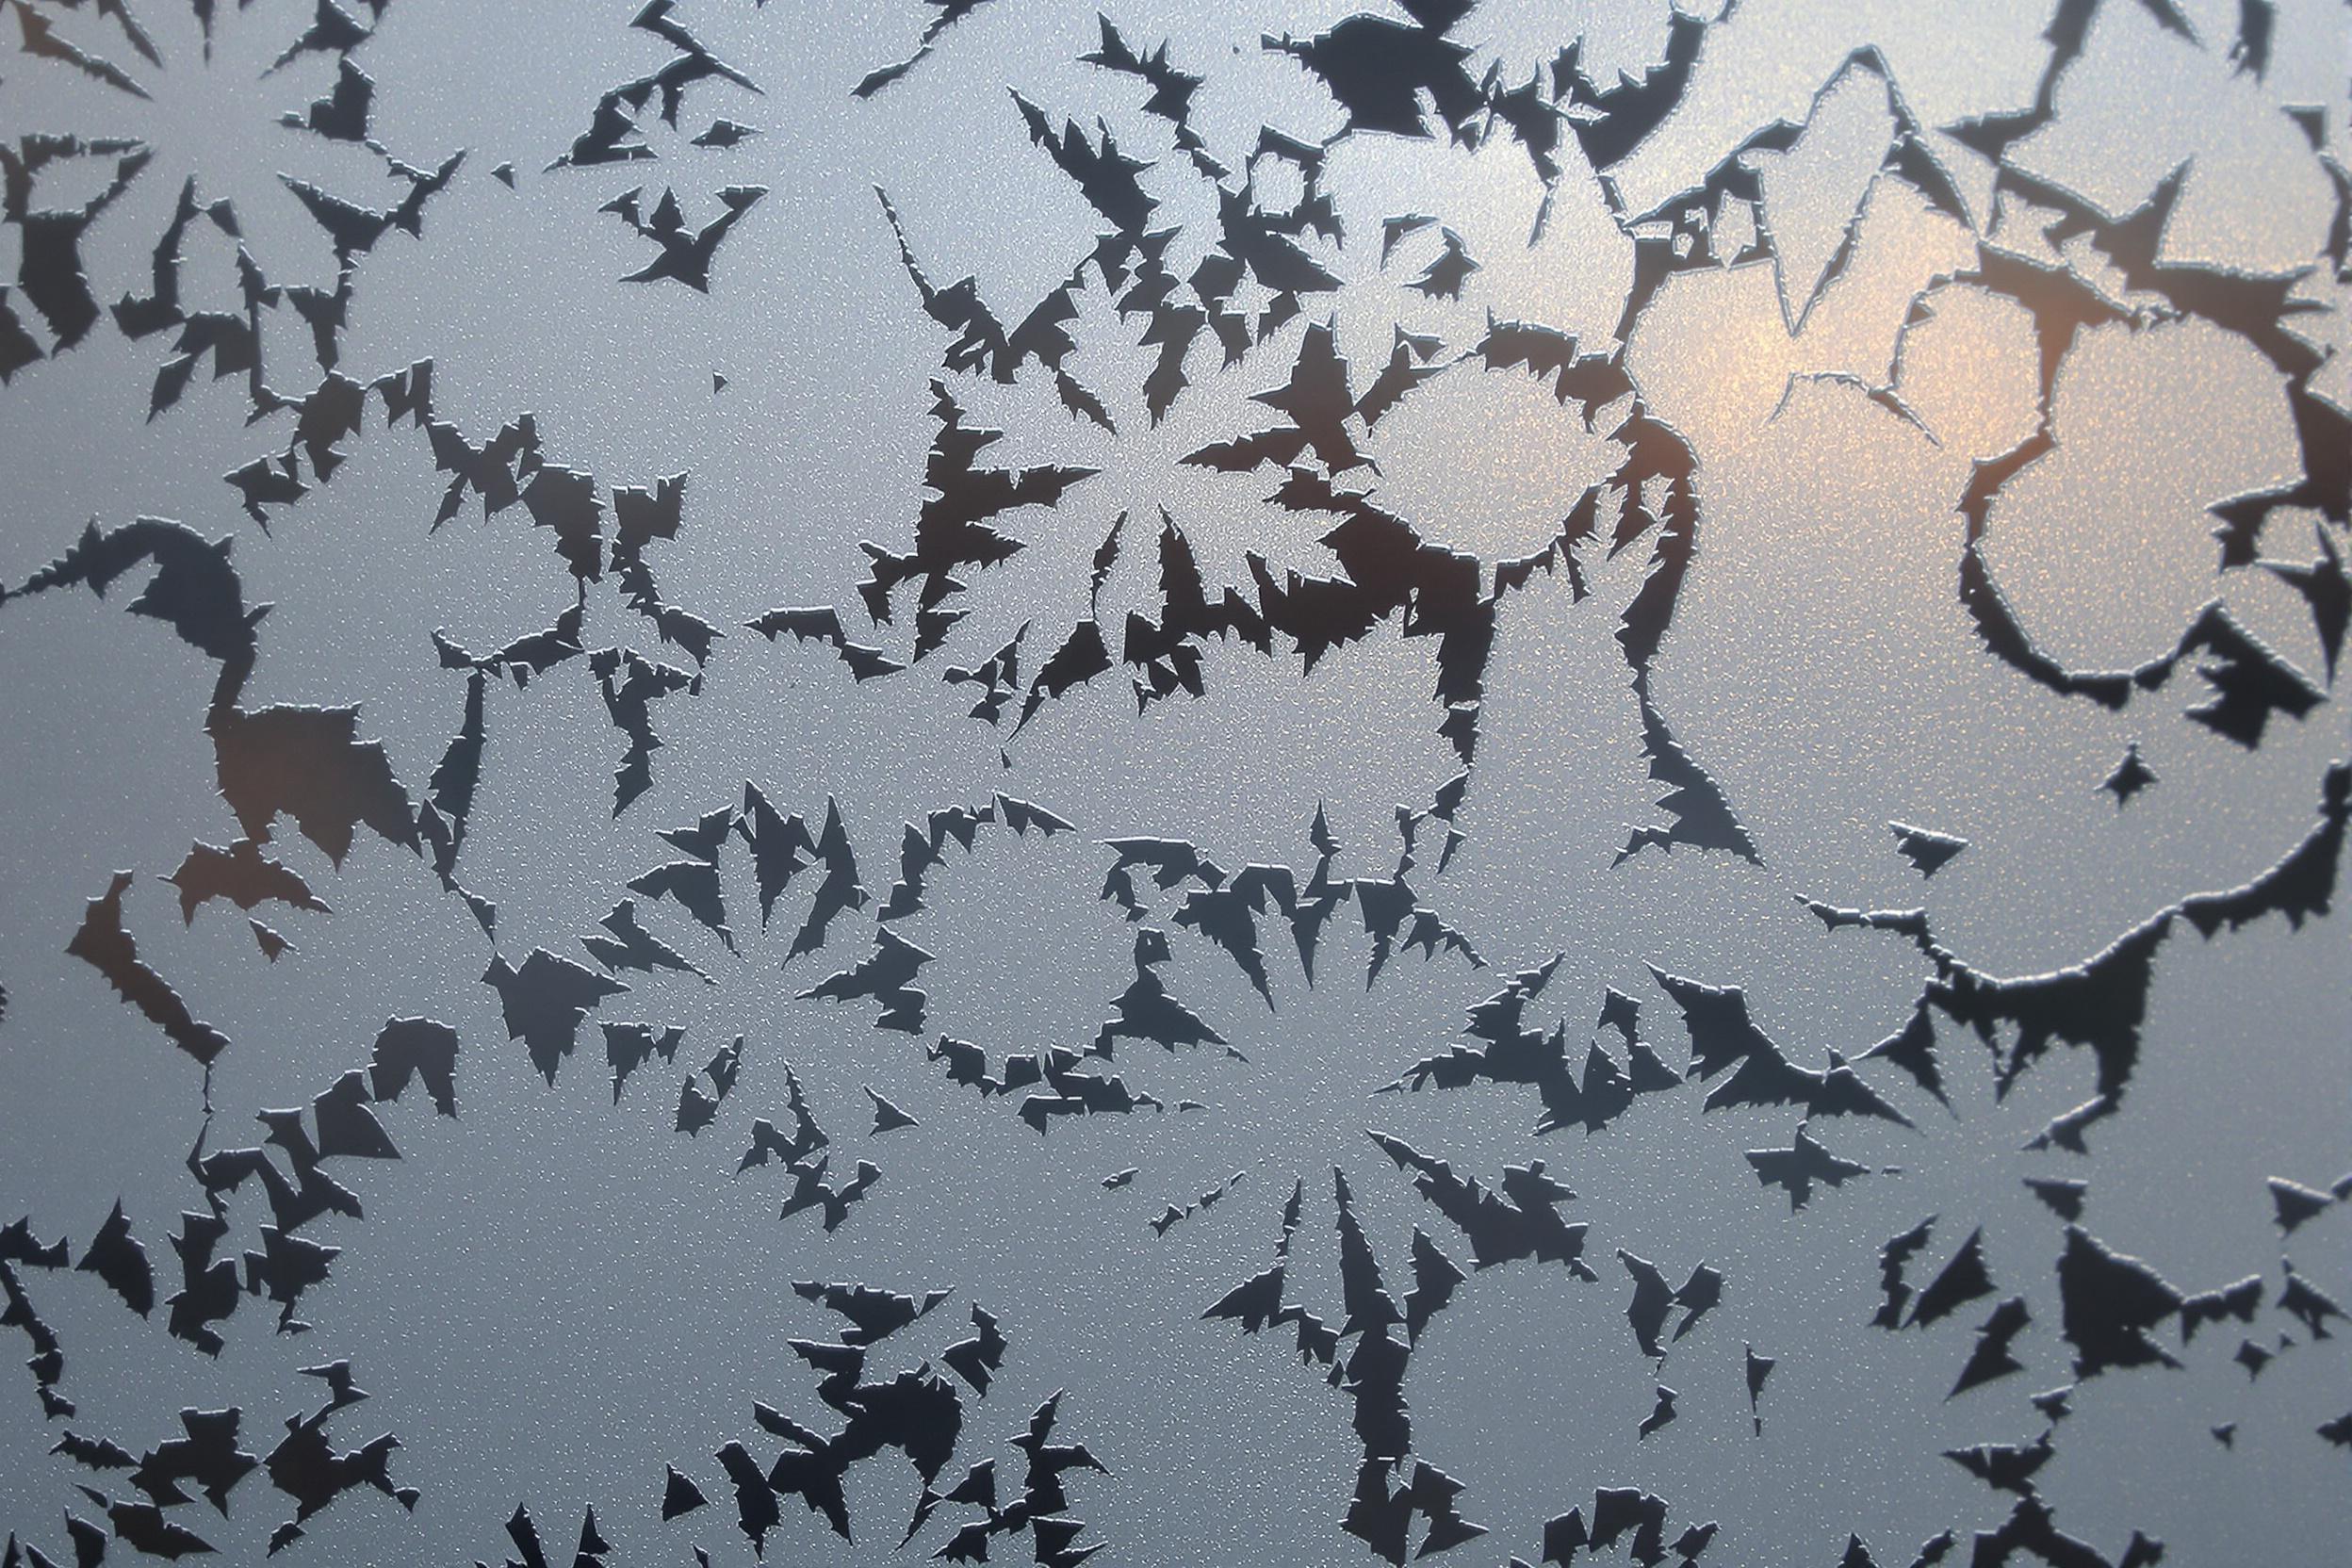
(1855, 416)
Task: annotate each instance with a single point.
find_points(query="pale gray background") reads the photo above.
(551, 1296)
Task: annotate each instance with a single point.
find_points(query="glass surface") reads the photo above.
(1186, 784)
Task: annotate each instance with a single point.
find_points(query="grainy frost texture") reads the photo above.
(1182, 784)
